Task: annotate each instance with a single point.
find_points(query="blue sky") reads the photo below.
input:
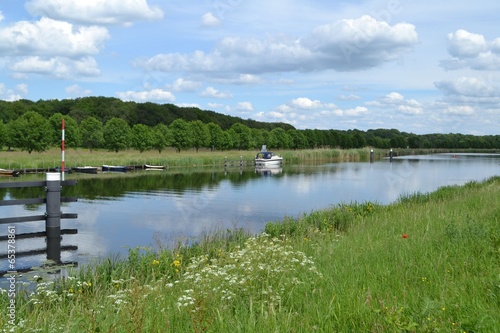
(417, 66)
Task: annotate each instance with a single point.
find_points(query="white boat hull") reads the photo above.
(271, 162)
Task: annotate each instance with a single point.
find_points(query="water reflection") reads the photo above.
(272, 170)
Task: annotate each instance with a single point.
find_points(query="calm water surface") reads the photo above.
(118, 213)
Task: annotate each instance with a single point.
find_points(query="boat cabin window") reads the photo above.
(265, 155)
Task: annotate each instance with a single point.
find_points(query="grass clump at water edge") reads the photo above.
(428, 263)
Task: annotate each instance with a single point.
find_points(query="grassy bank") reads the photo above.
(428, 263)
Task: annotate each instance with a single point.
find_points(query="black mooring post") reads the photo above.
(371, 156)
(53, 216)
(390, 155)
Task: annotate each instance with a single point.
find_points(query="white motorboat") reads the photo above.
(267, 158)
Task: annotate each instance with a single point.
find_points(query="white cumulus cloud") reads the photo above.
(57, 67)
(11, 95)
(154, 95)
(182, 84)
(343, 46)
(212, 92)
(209, 20)
(100, 12)
(48, 37)
(76, 90)
(244, 106)
(470, 50)
(468, 86)
(396, 101)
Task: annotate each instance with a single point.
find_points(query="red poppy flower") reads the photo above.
(405, 236)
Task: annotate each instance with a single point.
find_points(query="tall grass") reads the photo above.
(428, 263)
(170, 158)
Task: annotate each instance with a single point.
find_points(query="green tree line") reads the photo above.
(108, 123)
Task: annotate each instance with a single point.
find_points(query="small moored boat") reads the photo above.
(86, 169)
(153, 167)
(9, 173)
(267, 158)
(114, 168)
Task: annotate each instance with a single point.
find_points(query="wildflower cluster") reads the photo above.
(75, 286)
(45, 293)
(50, 291)
(261, 271)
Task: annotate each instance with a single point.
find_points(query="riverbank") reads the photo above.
(428, 263)
(21, 160)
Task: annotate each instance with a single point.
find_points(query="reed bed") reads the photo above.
(170, 158)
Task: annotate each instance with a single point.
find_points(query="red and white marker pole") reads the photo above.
(62, 150)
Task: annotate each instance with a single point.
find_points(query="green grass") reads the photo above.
(343, 269)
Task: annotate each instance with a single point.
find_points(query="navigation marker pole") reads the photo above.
(62, 150)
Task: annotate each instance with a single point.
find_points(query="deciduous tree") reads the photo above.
(142, 137)
(92, 133)
(180, 135)
(31, 132)
(200, 134)
(72, 135)
(160, 137)
(117, 134)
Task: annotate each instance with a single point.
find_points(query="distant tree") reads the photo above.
(13, 110)
(117, 134)
(92, 133)
(226, 141)
(297, 139)
(279, 138)
(414, 141)
(346, 141)
(142, 137)
(160, 137)
(360, 140)
(243, 136)
(3, 134)
(200, 134)
(320, 138)
(232, 139)
(399, 141)
(216, 136)
(312, 140)
(257, 137)
(72, 135)
(31, 132)
(180, 134)
(266, 138)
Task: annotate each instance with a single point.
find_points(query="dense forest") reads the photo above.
(109, 123)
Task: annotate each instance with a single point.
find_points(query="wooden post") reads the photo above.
(390, 155)
(53, 216)
(371, 156)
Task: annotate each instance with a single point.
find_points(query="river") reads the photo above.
(164, 207)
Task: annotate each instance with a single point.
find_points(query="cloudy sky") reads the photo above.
(417, 66)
